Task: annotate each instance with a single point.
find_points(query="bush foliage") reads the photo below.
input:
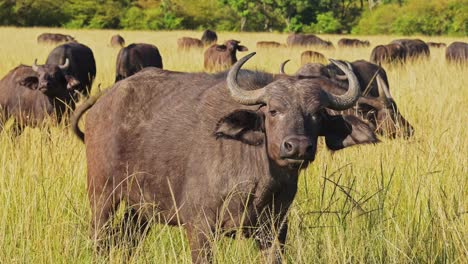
(429, 17)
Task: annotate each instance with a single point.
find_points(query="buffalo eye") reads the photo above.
(273, 112)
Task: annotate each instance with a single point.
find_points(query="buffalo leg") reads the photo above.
(271, 249)
(199, 244)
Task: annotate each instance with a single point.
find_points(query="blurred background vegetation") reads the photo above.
(404, 17)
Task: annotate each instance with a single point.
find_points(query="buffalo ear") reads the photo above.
(31, 82)
(72, 82)
(243, 125)
(221, 47)
(342, 131)
(242, 48)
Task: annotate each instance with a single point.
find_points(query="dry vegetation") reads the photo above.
(401, 201)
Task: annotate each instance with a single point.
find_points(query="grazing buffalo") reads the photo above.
(82, 65)
(415, 48)
(186, 43)
(457, 52)
(31, 94)
(309, 56)
(135, 57)
(388, 53)
(209, 37)
(269, 44)
(220, 157)
(117, 41)
(436, 44)
(221, 57)
(376, 105)
(347, 42)
(54, 38)
(307, 40)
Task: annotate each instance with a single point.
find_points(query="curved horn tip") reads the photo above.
(34, 66)
(282, 66)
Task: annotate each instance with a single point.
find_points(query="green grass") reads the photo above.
(401, 201)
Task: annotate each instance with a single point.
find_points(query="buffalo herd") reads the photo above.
(211, 152)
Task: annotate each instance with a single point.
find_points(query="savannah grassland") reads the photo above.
(400, 201)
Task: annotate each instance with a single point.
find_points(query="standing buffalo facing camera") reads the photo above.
(135, 57)
(220, 157)
(221, 57)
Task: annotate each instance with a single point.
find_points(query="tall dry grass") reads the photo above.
(400, 201)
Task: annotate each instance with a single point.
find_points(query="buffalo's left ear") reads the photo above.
(242, 48)
(243, 125)
(342, 131)
(31, 82)
(72, 82)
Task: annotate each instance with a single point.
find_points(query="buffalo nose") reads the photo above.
(296, 147)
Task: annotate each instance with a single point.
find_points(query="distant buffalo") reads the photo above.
(117, 41)
(54, 38)
(388, 53)
(457, 52)
(82, 65)
(186, 43)
(347, 42)
(209, 37)
(436, 44)
(221, 57)
(415, 48)
(269, 44)
(31, 94)
(307, 40)
(135, 57)
(309, 56)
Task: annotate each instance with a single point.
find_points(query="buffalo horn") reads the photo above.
(34, 66)
(240, 95)
(64, 66)
(282, 66)
(348, 99)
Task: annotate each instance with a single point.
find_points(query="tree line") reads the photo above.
(406, 17)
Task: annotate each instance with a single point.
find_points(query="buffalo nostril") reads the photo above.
(288, 146)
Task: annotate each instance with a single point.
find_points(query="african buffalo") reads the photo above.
(135, 57)
(415, 48)
(309, 56)
(269, 44)
(388, 53)
(82, 65)
(186, 43)
(117, 41)
(30, 94)
(221, 57)
(436, 44)
(307, 40)
(376, 105)
(219, 157)
(209, 37)
(347, 42)
(54, 38)
(457, 52)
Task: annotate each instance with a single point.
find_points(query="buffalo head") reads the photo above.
(231, 46)
(291, 116)
(52, 79)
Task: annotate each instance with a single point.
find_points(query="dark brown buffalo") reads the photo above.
(54, 38)
(347, 42)
(221, 57)
(376, 105)
(457, 52)
(389, 53)
(117, 41)
(269, 44)
(209, 37)
(221, 156)
(31, 94)
(436, 44)
(307, 40)
(415, 48)
(135, 57)
(81, 64)
(186, 43)
(309, 56)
